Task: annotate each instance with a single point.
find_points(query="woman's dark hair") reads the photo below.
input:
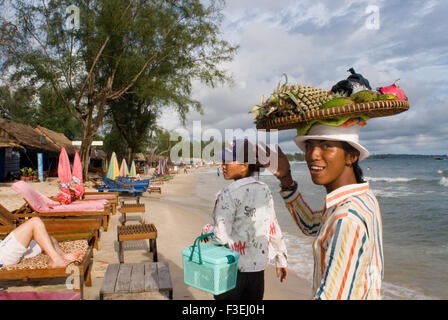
(348, 148)
(253, 168)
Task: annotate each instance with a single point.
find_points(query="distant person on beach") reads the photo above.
(348, 245)
(217, 171)
(28, 240)
(244, 218)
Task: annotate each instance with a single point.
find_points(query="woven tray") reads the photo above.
(372, 109)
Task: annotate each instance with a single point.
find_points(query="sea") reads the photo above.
(413, 197)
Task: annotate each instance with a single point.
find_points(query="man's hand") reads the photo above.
(282, 273)
(280, 168)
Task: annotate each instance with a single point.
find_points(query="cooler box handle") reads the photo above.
(196, 241)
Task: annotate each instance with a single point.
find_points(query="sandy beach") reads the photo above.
(179, 216)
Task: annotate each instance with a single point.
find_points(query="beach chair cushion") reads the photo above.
(34, 295)
(42, 261)
(43, 204)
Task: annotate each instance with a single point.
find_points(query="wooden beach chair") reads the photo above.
(44, 207)
(60, 229)
(38, 267)
(112, 197)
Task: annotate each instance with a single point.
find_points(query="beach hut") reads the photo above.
(19, 146)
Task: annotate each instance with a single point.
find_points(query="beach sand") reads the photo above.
(178, 222)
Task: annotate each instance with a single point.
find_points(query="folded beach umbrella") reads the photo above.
(77, 176)
(65, 176)
(113, 172)
(124, 172)
(133, 172)
(160, 167)
(166, 165)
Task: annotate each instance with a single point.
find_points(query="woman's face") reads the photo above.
(235, 170)
(329, 164)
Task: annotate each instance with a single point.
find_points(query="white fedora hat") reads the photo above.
(322, 132)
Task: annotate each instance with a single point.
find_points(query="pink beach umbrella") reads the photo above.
(77, 176)
(65, 176)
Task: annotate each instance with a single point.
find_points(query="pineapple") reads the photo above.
(289, 100)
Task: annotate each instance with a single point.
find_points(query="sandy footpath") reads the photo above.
(178, 225)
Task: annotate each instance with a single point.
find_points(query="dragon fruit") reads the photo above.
(395, 90)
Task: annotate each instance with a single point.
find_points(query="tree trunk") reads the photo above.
(84, 154)
(130, 155)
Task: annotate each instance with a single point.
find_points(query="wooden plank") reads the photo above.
(137, 278)
(137, 236)
(164, 275)
(110, 279)
(151, 278)
(124, 278)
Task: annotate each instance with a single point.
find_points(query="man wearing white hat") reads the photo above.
(348, 250)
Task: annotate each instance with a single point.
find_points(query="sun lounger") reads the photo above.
(34, 295)
(61, 229)
(112, 197)
(111, 185)
(45, 207)
(38, 267)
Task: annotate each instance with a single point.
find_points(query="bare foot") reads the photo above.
(59, 263)
(70, 257)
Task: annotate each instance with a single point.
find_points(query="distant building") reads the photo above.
(20, 144)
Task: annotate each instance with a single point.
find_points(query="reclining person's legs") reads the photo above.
(34, 229)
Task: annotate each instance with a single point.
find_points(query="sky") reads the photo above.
(315, 42)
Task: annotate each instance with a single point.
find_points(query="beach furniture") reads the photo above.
(60, 229)
(137, 281)
(155, 187)
(38, 267)
(44, 207)
(111, 185)
(34, 295)
(137, 232)
(126, 208)
(111, 197)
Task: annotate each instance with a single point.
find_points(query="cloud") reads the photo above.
(314, 42)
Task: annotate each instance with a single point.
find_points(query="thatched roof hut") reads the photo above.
(59, 139)
(7, 142)
(25, 136)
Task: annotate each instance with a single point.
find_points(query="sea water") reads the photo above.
(413, 197)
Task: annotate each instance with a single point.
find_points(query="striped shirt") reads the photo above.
(348, 249)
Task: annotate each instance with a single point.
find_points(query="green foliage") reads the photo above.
(52, 114)
(154, 48)
(28, 172)
(18, 105)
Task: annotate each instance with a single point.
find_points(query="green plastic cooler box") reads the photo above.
(209, 267)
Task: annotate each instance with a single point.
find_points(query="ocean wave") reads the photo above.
(391, 291)
(444, 182)
(301, 262)
(386, 179)
(392, 193)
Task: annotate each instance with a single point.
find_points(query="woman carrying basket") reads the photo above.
(244, 218)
